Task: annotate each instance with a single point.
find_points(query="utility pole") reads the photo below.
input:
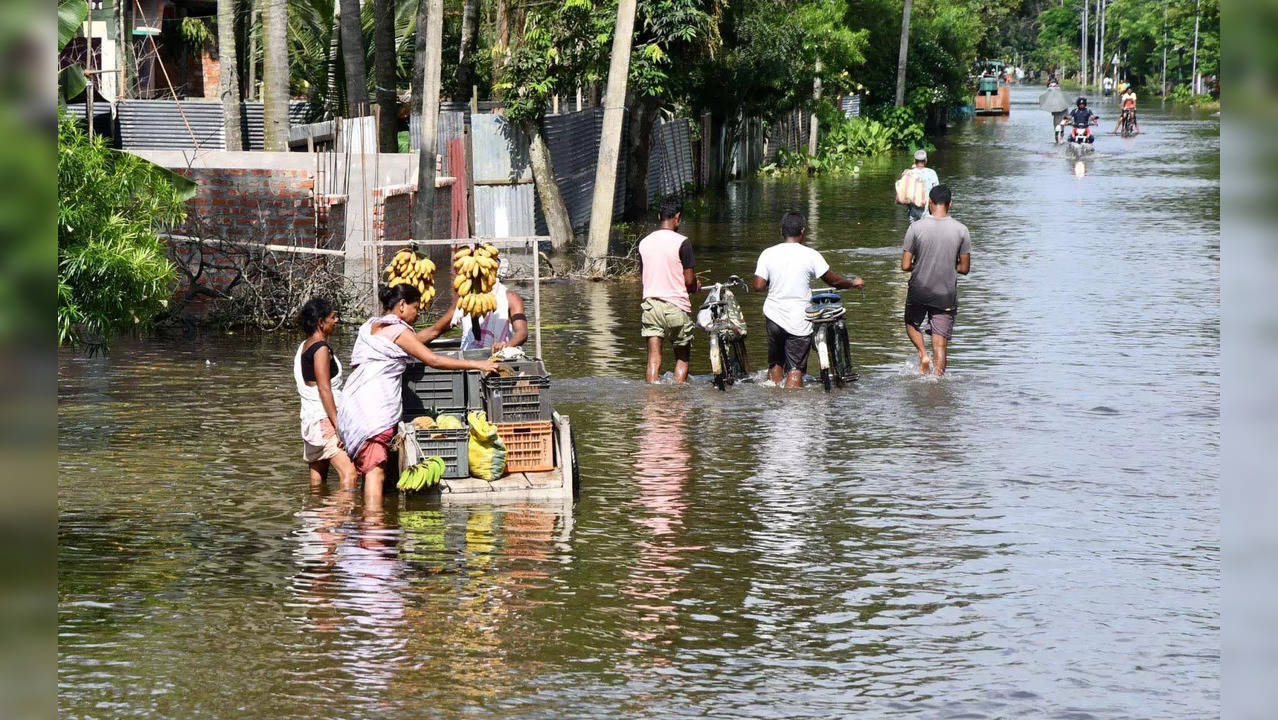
(1082, 54)
(1164, 85)
(1193, 73)
(816, 98)
(1100, 48)
(424, 206)
(905, 48)
(610, 141)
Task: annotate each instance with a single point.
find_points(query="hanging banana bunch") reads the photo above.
(416, 270)
(474, 274)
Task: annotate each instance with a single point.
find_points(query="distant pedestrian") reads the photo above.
(669, 277)
(925, 176)
(787, 270)
(936, 250)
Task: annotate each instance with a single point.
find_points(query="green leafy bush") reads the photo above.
(113, 272)
(1183, 95)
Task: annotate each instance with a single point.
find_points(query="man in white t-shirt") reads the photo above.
(787, 270)
(925, 175)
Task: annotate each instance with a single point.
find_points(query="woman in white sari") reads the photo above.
(372, 400)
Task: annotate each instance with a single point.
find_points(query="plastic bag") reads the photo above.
(485, 450)
(909, 190)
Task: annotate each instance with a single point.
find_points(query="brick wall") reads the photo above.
(252, 205)
(393, 215)
(330, 222)
(212, 72)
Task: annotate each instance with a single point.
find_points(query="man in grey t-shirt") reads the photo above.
(936, 249)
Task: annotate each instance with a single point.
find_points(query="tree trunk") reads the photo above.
(124, 49)
(333, 105)
(469, 42)
(643, 115)
(353, 59)
(275, 75)
(610, 141)
(419, 56)
(384, 72)
(905, 49)
(558, 221)
(228, 82)
(251, 61)
(424, 207)
(816, 98)
(501, 33)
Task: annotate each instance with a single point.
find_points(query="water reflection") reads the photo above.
(662, 469)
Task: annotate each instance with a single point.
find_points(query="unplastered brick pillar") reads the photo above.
(212, 74)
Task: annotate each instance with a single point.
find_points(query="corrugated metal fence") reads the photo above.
(189, 124)
(573, 139)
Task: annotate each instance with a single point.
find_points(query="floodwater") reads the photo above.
(1035, 535)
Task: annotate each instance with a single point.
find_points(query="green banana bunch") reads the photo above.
(424, 474)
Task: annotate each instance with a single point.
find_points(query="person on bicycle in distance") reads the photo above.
(1082, 118)
(1128, 103)
(787, 270)
(666, 264)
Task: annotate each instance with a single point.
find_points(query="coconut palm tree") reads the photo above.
(385, 75)
(228, 83)
(275, 73)
(353, 58)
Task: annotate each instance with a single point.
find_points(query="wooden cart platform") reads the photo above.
(556, 484)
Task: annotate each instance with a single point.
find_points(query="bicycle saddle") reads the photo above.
(824, 312)
(825, 297)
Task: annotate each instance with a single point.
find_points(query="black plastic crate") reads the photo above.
(518, 398)
(427, 389)
(451, 446)
(525, 367)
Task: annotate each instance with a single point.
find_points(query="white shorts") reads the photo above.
(319, 441)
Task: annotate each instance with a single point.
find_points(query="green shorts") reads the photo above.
(664, 320)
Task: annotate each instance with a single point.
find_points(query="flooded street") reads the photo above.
(1035, 535)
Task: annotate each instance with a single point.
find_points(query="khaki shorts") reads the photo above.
(664, 320)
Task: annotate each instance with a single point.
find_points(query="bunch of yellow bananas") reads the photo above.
(416, 270)
(474, 274)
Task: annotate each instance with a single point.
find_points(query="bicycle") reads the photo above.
(1128, 123)
(830, 338)
(721, 318)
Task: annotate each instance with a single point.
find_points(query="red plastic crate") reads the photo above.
(530, 446)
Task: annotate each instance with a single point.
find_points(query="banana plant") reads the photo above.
(71, 80)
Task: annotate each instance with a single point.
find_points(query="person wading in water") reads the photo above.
(936, 250)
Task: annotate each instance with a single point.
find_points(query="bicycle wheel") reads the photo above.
(734, 360)
(743, 359)
(821, 343)
(716, 361)
(730, 364)
(843, 354)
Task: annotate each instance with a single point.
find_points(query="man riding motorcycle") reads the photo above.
(1082, 118)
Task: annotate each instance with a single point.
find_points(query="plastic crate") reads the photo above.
(525, 367)
(530, 446)
(451, 445)
(426, 390)
(518, 399)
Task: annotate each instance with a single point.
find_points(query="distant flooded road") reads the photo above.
(1035, 535)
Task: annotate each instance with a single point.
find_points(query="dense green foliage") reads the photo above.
(113, 273)
(1138, 30)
